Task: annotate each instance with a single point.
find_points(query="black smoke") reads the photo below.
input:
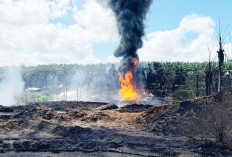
(130, 15)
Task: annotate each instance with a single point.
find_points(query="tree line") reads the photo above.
(181, 79)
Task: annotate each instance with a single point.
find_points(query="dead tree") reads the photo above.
(220, 62)
(221, 55)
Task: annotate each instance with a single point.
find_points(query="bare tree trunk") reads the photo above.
(219, 77)
(197, 84)
(220, 61)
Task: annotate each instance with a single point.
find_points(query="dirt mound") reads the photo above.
(108, 107)
(72, 131)
(191, 118)
(37, 112)
(134, 108)
(67, 105)
(150, 116)
(13, 125)
(5, 109)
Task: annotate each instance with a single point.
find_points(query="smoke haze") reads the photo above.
(90, 83)
(11, 86)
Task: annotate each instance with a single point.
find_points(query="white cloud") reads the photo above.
(174, 45)
(98, 19)
(27, 36)
(59, 8)
(24, 12)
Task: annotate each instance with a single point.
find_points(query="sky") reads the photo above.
(36, 32)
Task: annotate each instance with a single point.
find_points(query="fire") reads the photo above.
(146, 93)
(127, 92)
(135, 61)
(128, 89)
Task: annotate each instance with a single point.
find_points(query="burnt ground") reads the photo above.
(101, 129)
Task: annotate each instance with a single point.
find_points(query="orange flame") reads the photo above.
(146, 93)
(135, 61)
(127, 92)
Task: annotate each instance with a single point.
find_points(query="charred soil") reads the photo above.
(91, 128)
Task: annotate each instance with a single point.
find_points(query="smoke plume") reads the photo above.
(11, 86)
(130, 15)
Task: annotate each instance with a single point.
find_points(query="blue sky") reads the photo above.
(85, 31)
(167, 14)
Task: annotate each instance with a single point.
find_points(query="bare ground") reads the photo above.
(100, 129)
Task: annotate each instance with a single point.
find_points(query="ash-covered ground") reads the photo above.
(69, 128)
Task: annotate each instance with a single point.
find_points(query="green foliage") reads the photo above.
(168, 77)
(31, 96)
